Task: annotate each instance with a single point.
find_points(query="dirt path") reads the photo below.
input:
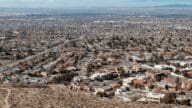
(7, 105)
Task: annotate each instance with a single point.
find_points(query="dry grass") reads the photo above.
(3, 94)
(58, 96)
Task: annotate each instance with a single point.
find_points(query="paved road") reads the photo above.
(15, 64)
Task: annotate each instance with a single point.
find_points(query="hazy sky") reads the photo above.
(88, 3)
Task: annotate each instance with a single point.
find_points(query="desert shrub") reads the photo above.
(169, 98)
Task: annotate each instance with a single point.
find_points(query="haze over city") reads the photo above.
(88, 3)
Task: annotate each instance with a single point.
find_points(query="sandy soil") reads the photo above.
(58, 96)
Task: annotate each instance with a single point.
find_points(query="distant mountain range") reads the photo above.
(165, 10)
(175, 6)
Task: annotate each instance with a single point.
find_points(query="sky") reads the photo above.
(87, 3)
